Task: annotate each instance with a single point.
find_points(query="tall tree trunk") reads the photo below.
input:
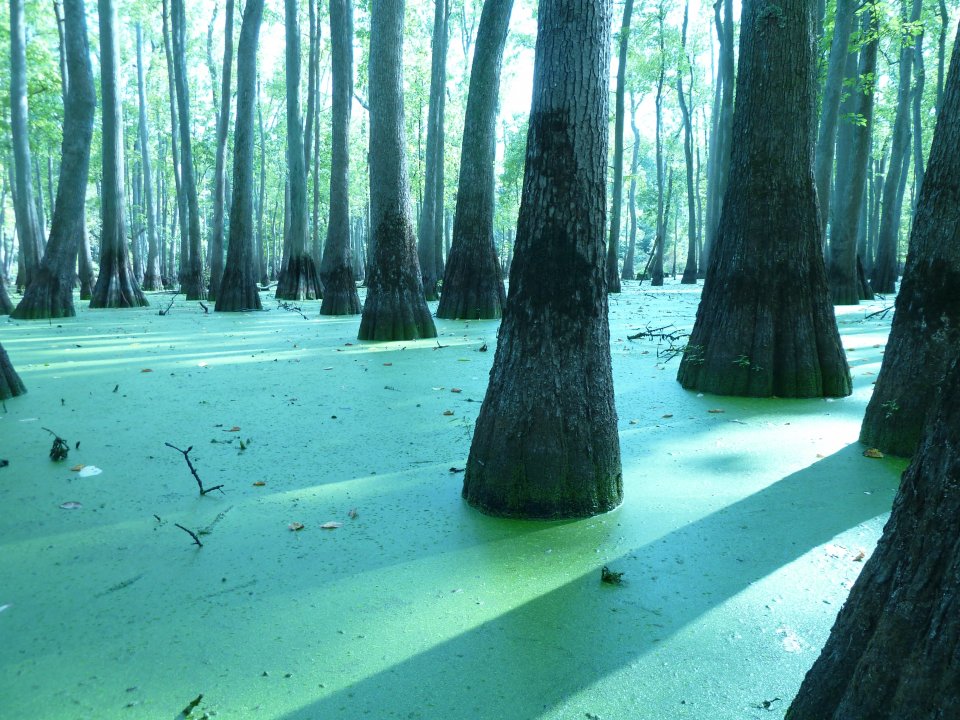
(50, 295)
(830, 109)
(430, 226)
(238, 289)
(336, 270)
(885, 270)
(151, 277)
(941, 51)
(842, 277)
(765, 325)
(10, 383)
(264, 274)
(690, 268)
(183, 221)
(546, 443)
(628, 273)
(116, 285)
(220, 174)
(299, 279)
(917, 107)
(656, 275)
(613, 241)
(29, 230)
(394, 308)
(473, 279)
(194, 287)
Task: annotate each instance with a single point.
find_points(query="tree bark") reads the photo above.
(473, 279)
(238, 289)
(298, 279)
(50, 295)
(395, 308)
(892, 652)
(29, 230)
(10, 383)
(628, 272)
(182, 219)
(151, 277)
(336, 270)
(431, 214)
(656, 269)
(690, 268)
(546, 443)
(613, 241)
(765, 325)
(193, 285)
(220, 173)
(116, 286)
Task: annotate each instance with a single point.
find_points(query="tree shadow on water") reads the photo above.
(530, 660)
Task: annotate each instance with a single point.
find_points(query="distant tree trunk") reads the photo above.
(220, 173)
(941, 52)
(264, 275)
(238, 289)
(29, 230)
(892, 652)
(50, 295)
(10, 383)
(394, 308)
(690, 268)
(116, 285)
(842, 277)
(183, 220)
(336, 270)
(885, 269)
(613, 241)
(473, 279)
(628, 272)
(431, 213)
(656, 272)
(85, 264)
(917, 106)
(546, 443)
(830, 110)
(299, 279)
(151, 276)
(765, 325)
(194, 287)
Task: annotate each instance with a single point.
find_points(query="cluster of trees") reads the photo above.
(781, 145)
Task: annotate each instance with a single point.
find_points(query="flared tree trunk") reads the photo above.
(395, 308)
(336, 271)
(926, 326)
(193, 285)
(613, 241)
(50, 295)
(151, 275)
(29, 229)
(431, 214)
(765, 325)
(10, 383)
(220, 172)
(893, 651)
(116, 286)
(546, 443)
(238, 289)
(473, 279)
(298, 279)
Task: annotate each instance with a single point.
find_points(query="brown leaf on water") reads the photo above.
(295, 526)
(259, 483)
(456, 390)
(861, 554)
(668, 415)
(146, 370)
(235, 428)
(872, 453)
(387, 364)
(331, 525)
(448, 412)
(78, 467)
(716, 411)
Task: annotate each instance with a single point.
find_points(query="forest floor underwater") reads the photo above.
(744, 524)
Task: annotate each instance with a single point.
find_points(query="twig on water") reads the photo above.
(166, 310)
(292, 308)
(666, 334)
(186, 456)
(191, 533)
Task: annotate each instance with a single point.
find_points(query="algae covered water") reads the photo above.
(338, 573)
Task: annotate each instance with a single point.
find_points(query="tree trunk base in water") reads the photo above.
(194, 287)
(689, 276)
(299, 281)
(10, 383)
(46, 298)
(6, 305)
(116, 289)
(476, 295)
(235, 296)
(340, 293)
(396, 315)
(152, 281)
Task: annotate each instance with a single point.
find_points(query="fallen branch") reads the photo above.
(186, 456)
(192, 534)
(879, 313)
(166, 310)
(674, 338)
(206, 310)
(292, 308)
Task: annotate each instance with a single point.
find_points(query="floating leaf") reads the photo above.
(448, 412)
(295, 526)
(235, 428)
(860, 555)
(610, 577)
(146, 370)
(259, 483)
(668, 415)
(456, 390)
(353, 514)
(71, 505)
(716, 410)
(457, 470)
(387, 364)
(872, 453)
(331, 525)
(78, 467)
(89, 471)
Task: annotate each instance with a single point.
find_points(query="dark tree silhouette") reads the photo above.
(925, 335)
(336, 269)
(10, 383)
(220, 171)
(238, 289)
(545, 443)
(765, 325)
(50, 295)
(395, 308)
(473, 278)
(151, 276)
